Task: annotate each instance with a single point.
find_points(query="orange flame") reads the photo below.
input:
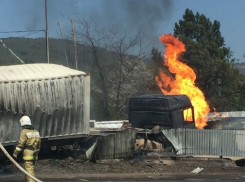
(215, 112)
(184, 81)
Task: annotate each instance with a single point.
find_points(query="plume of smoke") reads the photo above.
(146, 16)
(135, 15)
(32, 13)
(138, 14)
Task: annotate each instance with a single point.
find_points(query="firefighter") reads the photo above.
(29, 143)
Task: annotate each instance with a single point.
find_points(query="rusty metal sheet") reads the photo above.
(57, 102)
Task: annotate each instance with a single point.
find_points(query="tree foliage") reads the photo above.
(211, 60)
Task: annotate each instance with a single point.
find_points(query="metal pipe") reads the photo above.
(16, 164)
(63, 44)
(75, 42)
(47, 43)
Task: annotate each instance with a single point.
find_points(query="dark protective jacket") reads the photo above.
(29, 143)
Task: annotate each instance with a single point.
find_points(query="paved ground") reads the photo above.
(151, 168)
(131, 177)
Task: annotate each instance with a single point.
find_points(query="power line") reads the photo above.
(12, 52)
(23, 31)
(29, 34)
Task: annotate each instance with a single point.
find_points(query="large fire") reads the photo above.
(184, 80)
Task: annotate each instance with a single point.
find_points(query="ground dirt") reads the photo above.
(144, 166)
(137, 165)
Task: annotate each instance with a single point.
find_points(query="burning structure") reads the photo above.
(180, 81)
(184, 80)
(227, 134)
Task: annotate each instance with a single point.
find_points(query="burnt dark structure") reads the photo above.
(166, 111)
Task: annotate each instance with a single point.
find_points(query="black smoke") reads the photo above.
(146, 15)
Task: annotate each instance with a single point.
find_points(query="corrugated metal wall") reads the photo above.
(207, 142)
(58, 106)
(116, 145)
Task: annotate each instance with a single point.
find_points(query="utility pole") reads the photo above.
(63, 44)
(75, 42)
(47, 43)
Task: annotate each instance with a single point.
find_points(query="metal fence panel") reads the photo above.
(116, 145)
(214, 146)
(239, 143)
(207, 142)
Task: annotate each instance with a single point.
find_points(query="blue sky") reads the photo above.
(29, 15)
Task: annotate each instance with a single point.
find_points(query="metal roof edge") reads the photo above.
(36, 71)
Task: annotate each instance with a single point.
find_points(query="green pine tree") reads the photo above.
(211, 60)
